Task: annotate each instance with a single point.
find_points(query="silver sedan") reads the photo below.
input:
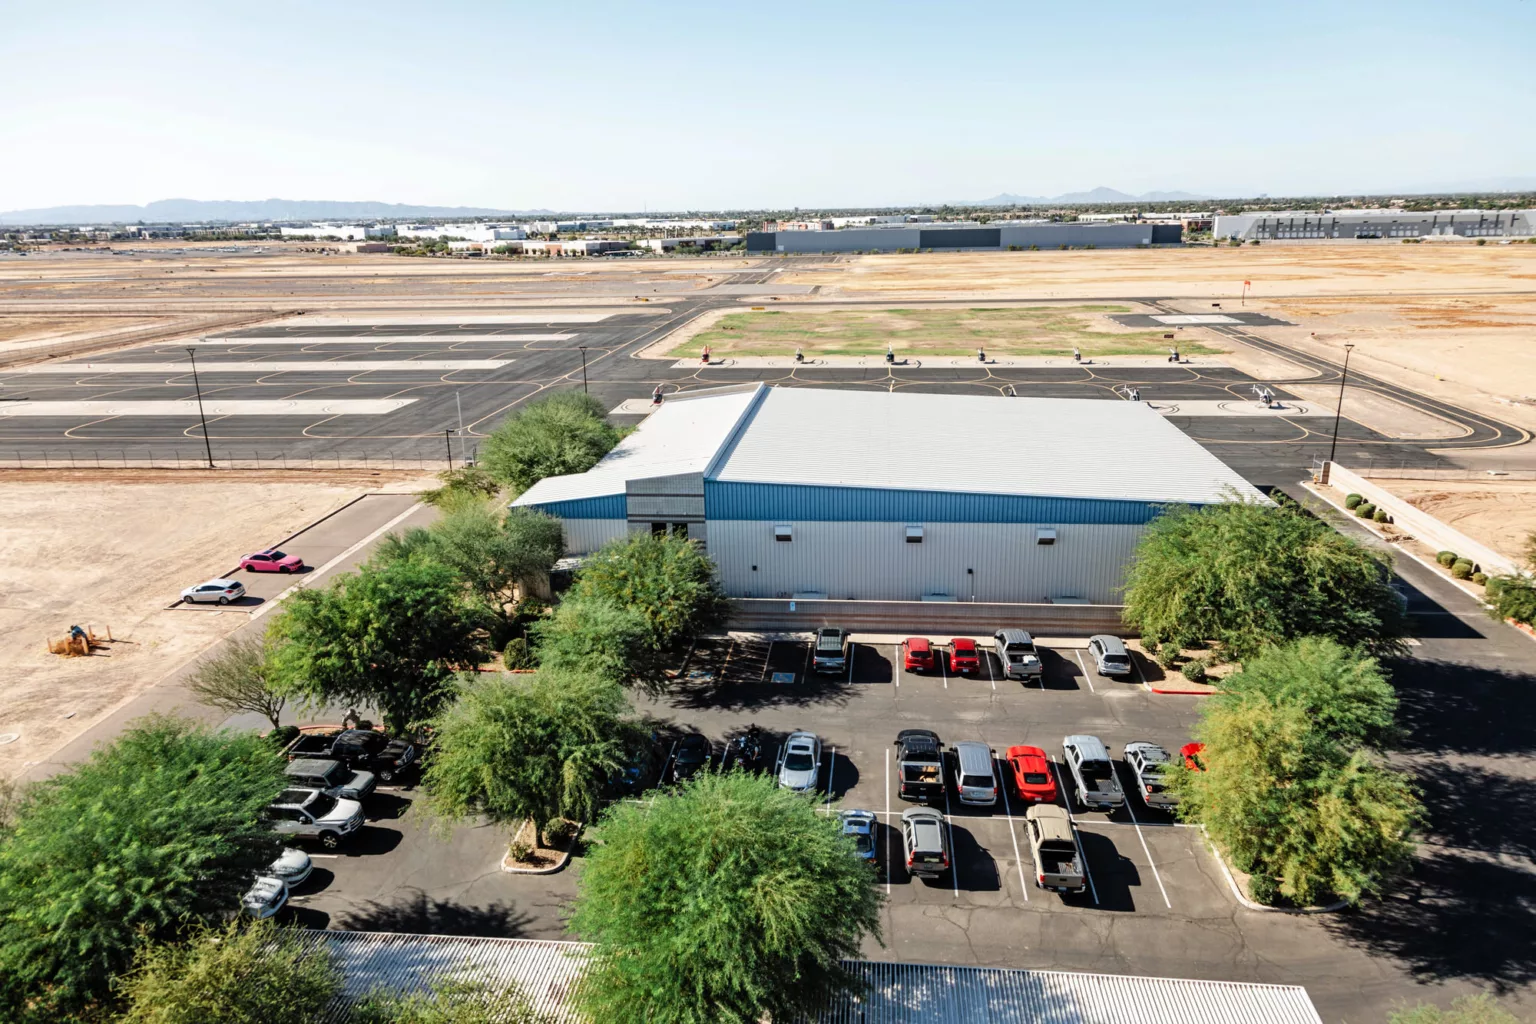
(220, 591)
(800, 762)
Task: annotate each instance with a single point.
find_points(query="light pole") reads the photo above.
(1339, 411)
(192, 354)
(583, 368)
(448, 444)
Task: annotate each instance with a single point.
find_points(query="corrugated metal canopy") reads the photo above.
(898, 993)
(1049, 447)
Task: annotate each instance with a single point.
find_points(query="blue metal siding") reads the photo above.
(609, 506)
(808, 503)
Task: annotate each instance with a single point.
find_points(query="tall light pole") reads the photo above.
(1339, 411)
(192, 354)
(583, 368)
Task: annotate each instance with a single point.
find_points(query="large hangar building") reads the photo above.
(861, 495)
(1371, 225)
(1071, 234)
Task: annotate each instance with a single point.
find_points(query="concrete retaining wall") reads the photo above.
(959, 617)
(1420, 524)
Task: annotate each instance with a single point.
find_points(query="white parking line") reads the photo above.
(767, 659)
(853, 652)
(1018, 860)
(1086, 678)
(1145, 850)
(805, 670)
(1081, 856)
(990, 677)
(896, 663)
(325, 856)
(954, 861)
(939, 657)
(887, 814)
(1139, 675)
(826, 805)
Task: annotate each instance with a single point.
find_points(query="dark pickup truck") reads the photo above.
(920, 765)
(359, 749)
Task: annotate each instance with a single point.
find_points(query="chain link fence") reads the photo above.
(1401, 469)
(187, 457)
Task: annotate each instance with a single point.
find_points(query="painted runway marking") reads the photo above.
(285, 366)
(211, 407)
(375, 339)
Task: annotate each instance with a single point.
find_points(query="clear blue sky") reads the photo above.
(582, 105)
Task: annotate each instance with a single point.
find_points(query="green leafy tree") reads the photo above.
(239, 678)
(730, 900)
(467, 483)
(562, 434)
(514, 748)
(669, 580)
(1478, 1009)
(390, 636)
(1245, 575)
(1345, 693)
(241, 973)
(161, 827)
(450, 1001)
(601, 638)
(1512, 597)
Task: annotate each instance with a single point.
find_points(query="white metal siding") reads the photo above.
(583, 536)
(873, 561)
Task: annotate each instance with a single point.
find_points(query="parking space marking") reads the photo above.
(1146, 850)
(954, 866)
(853, 652)
(826, 805)
(725, 666)
(940, 658)
(1081, 856)
(887, 814)
(767, 660)
(1086, 679)
(1139, 675)
(991, 678)
(324, 856)
(896, 664)
(1018, 859)
(805, 670)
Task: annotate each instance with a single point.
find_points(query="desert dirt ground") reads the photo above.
(1498, 513)
(1023, 330)
(112, 553)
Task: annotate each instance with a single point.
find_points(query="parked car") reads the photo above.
(1109, 655)
(963, 657)
(292, 866)
(1032, 777)
(975, 781)
(214, 591)
(860, 827)
(1053, 845)
(636, 771)
(271, 560)
(799, 765)
(359, 749)
(694, 754)
(1191, 753)
(917, 654)
(924, 842)
(919, 766)
(1089, 764)
(1150, 764)
(1017, 654)
(310, 814)
(265, 897)
(330, 777)
(829, 653)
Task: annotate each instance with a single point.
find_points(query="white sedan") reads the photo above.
(265, 897)
(220, 591)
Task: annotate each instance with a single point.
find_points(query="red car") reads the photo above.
(1032, 776)
(962, 656)
(1191, 753)
(271, 560)
(918, 656)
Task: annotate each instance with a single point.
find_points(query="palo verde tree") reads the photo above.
(161, 828)
(515, 748)
(599, 637)
(245, 972)
(729, 900)
(240, 678)
(568, 432)
(391, 636)
(665, 578)
(1245, 574)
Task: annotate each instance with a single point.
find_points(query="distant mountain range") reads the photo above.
(1098, 195)
(181, 211)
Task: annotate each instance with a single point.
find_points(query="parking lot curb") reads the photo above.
(1237, 890)
(565, 858)
(1181, 693)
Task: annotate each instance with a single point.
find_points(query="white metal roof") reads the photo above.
(680, 437)
(898, 993)
(1045, 447)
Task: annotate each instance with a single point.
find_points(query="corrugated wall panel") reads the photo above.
(609, 506)
(873, 561)
(583, 536)
(741, 500)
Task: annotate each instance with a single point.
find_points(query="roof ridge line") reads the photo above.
(734, 435)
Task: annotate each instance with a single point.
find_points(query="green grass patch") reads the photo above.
(1022, 330)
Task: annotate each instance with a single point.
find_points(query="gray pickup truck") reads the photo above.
(330, 777)
(1054, 848)
(1092, 771)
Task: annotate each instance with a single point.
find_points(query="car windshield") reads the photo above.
(276, 555)
(799, 761)
(863, 842)
(1036, 778)
(322, 806)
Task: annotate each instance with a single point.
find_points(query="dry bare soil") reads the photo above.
(1498, 513)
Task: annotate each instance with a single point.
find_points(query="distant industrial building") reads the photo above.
(345, 232)
(691, 241)
(1044, 235)
(1376, 224)
(810, 493)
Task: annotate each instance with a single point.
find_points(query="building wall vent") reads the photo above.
(914, 535)
(1045, 535)
(784, 533)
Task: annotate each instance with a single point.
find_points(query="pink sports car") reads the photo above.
(271, 560)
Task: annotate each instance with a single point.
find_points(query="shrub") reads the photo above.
(516, 654)
(1447, 558)
(1263, 889)
(1167, 656)
(1352, 501)
(1462, 570)
(560, 831)
(1480, 578)
(519, 851)
(283, 735)
(1150, 644)
(1381, 516)
(1194, 671)
(1493, 586)
(1365, 511)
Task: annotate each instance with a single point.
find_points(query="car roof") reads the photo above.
(917, 643)
(1015, 634)
(1087, 744)
(296, 797)
(1053, 821)
(963, 643)
(801, 736)
(310, 766)
(1148, 749)
(1110, 641)
(1026, 751)
(922, 814)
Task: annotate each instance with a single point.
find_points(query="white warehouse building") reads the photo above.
(812, 492)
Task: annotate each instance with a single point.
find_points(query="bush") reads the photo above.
(1382, 517)
(1263, 889)
(1447, 558)
(1150, 644)
(516, 654)
(1351, 501)
(283, 735)
(560, 831)
(1365, 511)
(1462, 570)
(519, 851)
(1194, 671)
(1167, 656)
(1492, 586)
(1480, 578)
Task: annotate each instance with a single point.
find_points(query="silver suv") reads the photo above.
(923, 840)
(829, 653)
(311, 814)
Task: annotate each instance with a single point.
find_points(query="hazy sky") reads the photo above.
(581, 105)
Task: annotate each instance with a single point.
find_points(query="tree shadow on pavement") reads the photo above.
(1451, 707)
(420, 914)
(1471, 808)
